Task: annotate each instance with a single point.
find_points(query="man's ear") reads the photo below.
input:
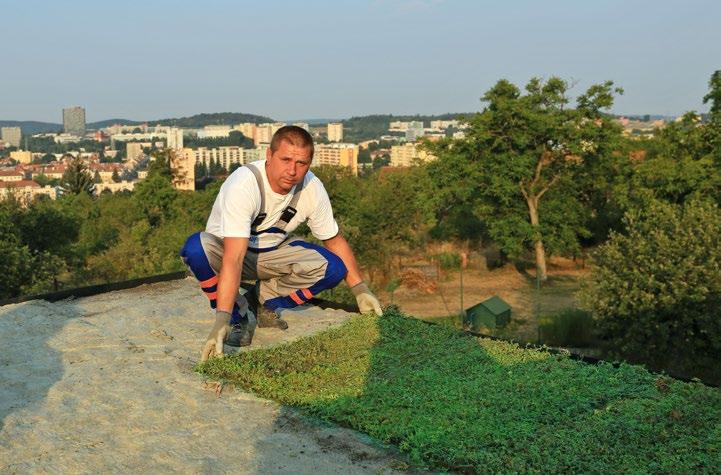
(268, 153)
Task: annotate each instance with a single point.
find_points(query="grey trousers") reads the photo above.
(289, 275)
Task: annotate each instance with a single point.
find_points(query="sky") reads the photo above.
(153, 59)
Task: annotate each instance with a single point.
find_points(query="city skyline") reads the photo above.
(326, 60)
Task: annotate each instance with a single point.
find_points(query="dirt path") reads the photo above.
(105, 384)
(516, 288)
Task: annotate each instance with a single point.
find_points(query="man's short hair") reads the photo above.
(293, 134)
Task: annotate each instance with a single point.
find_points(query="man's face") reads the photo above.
(287, 166)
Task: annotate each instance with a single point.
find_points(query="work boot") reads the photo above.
(241, 334)
(270, 319)
(266, 318)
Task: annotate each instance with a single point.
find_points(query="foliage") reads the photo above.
(520, 148)
(369, 127)
(77, 178)
(569, 328)
(655, 290)
(33, 246)
(457, 403)
(448, 260)
(234, 139)
(219, 118)
(48, 145)
(371, 217)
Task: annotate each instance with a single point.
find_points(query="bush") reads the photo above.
(449, 260)
(570, 327)
(656, 290)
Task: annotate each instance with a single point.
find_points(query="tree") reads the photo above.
(655, 289)
(77, 179)
(115, 177)
(96, 177)
(714, 96)
(47, 158)
(523, 148)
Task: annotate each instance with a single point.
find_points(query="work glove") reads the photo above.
(221, 330)
(367, 302)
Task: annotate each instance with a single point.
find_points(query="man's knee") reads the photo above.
(195, 258)
(336, 270)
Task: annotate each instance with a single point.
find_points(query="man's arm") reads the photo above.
(231, 268)
(340, 247)
(367, 302)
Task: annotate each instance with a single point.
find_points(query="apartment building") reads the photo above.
(337, 154)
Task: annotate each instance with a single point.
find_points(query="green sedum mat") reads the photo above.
(455, 402)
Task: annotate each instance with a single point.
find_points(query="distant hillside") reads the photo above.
(218, 118)
(357, 129)
(30, 127)
(101, 124)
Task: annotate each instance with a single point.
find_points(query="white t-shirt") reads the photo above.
(238, 204)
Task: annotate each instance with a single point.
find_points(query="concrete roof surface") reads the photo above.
(106, 384)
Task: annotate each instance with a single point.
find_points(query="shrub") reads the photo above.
(570, 327)
(449, 260)
(656, 289)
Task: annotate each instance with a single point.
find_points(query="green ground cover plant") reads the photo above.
(455, 402)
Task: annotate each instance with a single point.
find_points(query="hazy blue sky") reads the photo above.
(335, 59)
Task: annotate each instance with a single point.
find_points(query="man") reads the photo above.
(248, 236)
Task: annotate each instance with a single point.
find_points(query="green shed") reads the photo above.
(491, 313)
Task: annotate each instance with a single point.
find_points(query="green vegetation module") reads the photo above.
(455, 402)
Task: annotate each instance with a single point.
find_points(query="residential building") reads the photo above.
(255, 154)
(225, 156)
(302, 125)
(134, 150)
(214, 131)
(26, 190)
(398, 126)
(262, 134)
(74, 121)
(335, 132)
(65, 138)
(11, 175)
(408, 154)
(175, 138)
(113, 187)
(337, 154)
(274, 128)
(122, 129)
(50, 171)
(444, 124)
(12, 135)
(22, 156)
(182, 162)
(414, 131)
(247, 129)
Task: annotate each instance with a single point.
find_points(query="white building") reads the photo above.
(175, 138)
(25, 190)
(214, 131)
(11, 135)
(335, 132)
(225, 156)
(415, 130)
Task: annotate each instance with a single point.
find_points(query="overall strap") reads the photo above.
(290, 210)
(261, 216)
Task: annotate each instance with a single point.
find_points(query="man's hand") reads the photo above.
(221, 329)
(367, 302)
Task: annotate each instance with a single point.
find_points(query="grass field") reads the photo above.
(454, 402)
